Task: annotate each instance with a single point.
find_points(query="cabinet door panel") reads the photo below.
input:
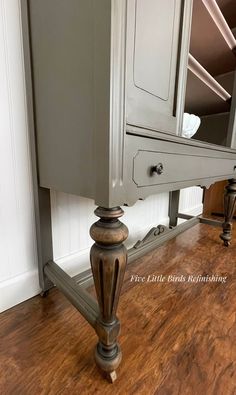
(150, 74)
(157, 49)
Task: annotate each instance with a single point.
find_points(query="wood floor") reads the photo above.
(178, 338)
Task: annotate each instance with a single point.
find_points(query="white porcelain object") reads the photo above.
(191, 124)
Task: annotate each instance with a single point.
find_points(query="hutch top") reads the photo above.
(111, 81)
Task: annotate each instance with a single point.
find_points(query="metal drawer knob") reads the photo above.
(157, 169)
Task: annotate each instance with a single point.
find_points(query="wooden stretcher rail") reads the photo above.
(85, 279)
(79, 297)
(196, 68)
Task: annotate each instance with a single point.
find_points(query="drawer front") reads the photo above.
(154, 168)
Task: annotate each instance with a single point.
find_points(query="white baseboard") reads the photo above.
(75, 263)
(18, 289)
(196, 210)
(26, 285)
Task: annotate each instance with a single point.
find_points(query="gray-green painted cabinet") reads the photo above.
(100, 70)
(108, 84)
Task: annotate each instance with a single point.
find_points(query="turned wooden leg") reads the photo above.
(108, 260)
(229, 207)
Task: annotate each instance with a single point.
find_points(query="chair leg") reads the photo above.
(229, 208)
(108, 261)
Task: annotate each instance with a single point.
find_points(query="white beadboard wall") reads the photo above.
(71, 215)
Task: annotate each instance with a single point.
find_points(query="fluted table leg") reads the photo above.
(108, 261)
(229, 208)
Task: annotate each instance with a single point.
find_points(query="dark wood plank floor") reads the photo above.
(177, 338)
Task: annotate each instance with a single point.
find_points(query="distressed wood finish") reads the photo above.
(213, 202)
(229, 207)
(108, 261)
(184, 343)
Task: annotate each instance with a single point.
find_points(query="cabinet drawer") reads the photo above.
(153, 167)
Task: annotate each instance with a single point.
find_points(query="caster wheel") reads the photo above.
(111, 377)
(44, 294)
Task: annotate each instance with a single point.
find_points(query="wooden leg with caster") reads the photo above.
(44, 294)
(108, 261)
(229, 207)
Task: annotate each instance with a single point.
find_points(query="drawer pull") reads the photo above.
(157, 169)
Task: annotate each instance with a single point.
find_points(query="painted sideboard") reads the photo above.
(108, 83)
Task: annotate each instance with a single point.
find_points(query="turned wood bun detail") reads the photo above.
(109, 230)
